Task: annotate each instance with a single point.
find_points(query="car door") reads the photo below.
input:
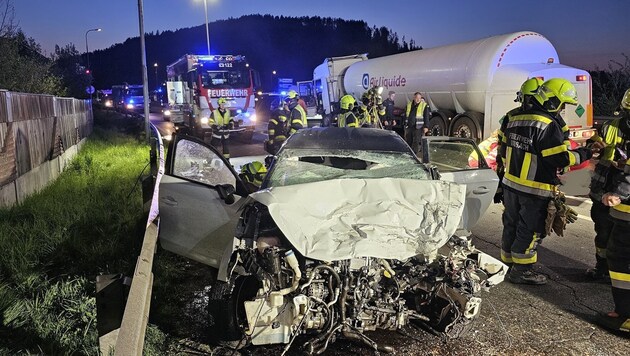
(452, 158)
(198, 207)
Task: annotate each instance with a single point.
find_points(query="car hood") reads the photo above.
(389, 218)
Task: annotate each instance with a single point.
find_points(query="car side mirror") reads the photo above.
(226, 193)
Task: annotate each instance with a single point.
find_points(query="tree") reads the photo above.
(7, 19)
(66, 66)
(610, 85)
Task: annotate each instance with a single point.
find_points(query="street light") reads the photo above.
(205, 7)
(273, 73)
(87, 50)
(155, 65)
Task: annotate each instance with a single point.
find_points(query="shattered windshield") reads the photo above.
(312, 165)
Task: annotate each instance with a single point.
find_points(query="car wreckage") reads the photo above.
(350, 232)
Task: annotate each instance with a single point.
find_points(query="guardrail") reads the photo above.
(129, 338)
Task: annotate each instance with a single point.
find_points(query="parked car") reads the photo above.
(350, 232)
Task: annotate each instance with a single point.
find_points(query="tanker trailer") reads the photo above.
(468, 86)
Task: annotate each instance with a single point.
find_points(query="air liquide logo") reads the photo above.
(365, 81)
(387, 83)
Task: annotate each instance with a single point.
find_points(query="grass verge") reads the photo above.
(88, 222)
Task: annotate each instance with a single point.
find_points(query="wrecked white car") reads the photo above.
(349, 233)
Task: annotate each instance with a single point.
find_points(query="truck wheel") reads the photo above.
(437, 126)
(465, 125)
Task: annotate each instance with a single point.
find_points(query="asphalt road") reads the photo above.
(554, 319)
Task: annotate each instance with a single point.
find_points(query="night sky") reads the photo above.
(585, 32)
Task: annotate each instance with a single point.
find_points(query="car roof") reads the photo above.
(347, 138)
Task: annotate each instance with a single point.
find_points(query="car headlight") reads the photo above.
(167, 113)
(108, 103)
(252, 117)
(129, 106)
(204, 120)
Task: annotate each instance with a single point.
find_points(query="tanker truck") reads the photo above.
(468, 86)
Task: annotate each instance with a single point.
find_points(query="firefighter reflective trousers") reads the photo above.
(225, 149)
(618, 255)
(603, 226)
(523, 228)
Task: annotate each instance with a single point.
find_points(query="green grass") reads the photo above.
(89, 221)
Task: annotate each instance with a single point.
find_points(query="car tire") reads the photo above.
(226, 310)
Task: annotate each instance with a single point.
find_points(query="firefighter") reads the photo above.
(221, 121)
(618, 250)
(278, 127)
(416, 121)
(388, 105)
(611, 139)
(297, 115)
(533, 150)
(347, 118)
(253, 174)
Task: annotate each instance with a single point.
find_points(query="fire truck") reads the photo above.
(196, 82)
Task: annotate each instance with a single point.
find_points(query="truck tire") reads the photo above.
(466, 125)
(437, 126)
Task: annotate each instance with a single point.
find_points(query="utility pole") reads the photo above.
(145, 79)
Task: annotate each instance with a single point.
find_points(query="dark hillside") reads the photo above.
(291, 46)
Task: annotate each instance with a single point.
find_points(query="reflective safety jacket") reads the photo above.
(533, 150)
(278, 126)
(612, 137)
(298, 119)
(347, 119)
(621, 188)
(220, 118)
(422, 112)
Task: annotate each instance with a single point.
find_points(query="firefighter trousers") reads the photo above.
(603, 227)
(523, 228)
(223, 141)
(618, 256)
(413, 136)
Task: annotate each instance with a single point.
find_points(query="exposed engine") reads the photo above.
(294, 295)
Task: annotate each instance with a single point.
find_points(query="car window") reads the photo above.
(449, 156)
(198, 163)
(307, 166)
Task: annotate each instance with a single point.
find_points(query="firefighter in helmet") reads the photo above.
(618, 248)
(253, 174)
(346, 117)
(533, 150)
(612, 141)
(221, 122)
(278, 127)
(297, 115)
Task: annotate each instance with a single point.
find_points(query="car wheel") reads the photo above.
(226, 310)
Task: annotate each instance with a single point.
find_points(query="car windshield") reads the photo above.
(312, 165)
(135, 92)
(225, 79)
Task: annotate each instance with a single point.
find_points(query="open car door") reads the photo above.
(199, 202)
(454, 159)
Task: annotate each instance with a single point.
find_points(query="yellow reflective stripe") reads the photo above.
(624, 208)
(273, 121)
(296, 121)
(506, 257)
(567, 143)
(271, 132)
(565, 128)
(625, 325)
(573, 158)
(554, 150)
(531, 245)
(525, 261)
(619, 276)
(532, 118)
(527, 161)
(530, 183)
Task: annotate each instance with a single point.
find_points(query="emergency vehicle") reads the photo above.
(196, 82)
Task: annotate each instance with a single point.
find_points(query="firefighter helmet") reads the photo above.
(347, 102)
(625, 102)
(556, 92)
(529, 87)
(221, 101)
(292, 94)
(254, 172)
